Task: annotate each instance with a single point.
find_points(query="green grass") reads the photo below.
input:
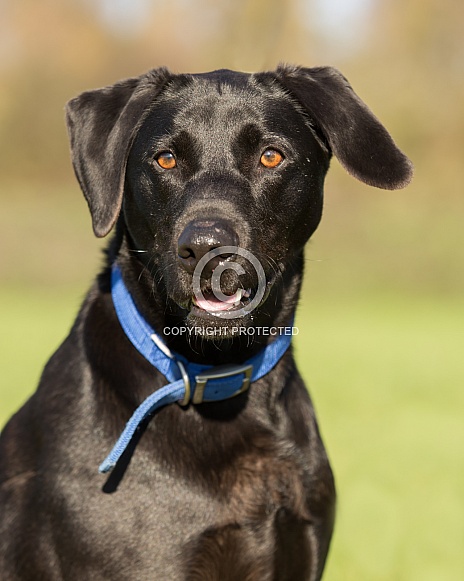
(33, 324)
(386, 376)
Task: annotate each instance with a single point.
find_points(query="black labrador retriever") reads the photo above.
(221, 474)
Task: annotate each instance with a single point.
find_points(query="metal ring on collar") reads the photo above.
(186, 380)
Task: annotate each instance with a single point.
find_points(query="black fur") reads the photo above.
(238, 490)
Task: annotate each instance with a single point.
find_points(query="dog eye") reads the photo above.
(271, 158)
(166, 160)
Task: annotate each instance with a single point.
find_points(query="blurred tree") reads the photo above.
(406, 57)
(415, 68)
(53, 49)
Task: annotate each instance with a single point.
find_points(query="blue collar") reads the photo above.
(188, 382)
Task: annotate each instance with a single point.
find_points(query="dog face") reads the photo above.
(216, 165)
(223, 160)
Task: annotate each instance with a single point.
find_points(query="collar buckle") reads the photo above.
(220, 372)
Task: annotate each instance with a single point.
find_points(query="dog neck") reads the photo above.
(187, 382)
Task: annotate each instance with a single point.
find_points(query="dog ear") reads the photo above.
(355, 136)
(102, 125)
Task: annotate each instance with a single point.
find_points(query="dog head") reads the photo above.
(217, 178)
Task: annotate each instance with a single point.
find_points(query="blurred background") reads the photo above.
(381, 341)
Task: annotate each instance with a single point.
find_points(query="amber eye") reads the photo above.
(271, 158)
(166, 160)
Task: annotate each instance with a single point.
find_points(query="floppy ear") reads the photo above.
(102, 125)
(356, 137)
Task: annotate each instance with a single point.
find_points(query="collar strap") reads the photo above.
(188, 382)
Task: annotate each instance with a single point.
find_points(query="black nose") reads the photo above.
(201, 236)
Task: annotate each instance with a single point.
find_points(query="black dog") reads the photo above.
(238, 488)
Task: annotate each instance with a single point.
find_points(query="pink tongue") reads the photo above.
(214, 304)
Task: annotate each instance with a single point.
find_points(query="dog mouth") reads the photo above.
(208, 302)
(223, 299)
(207, 306)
